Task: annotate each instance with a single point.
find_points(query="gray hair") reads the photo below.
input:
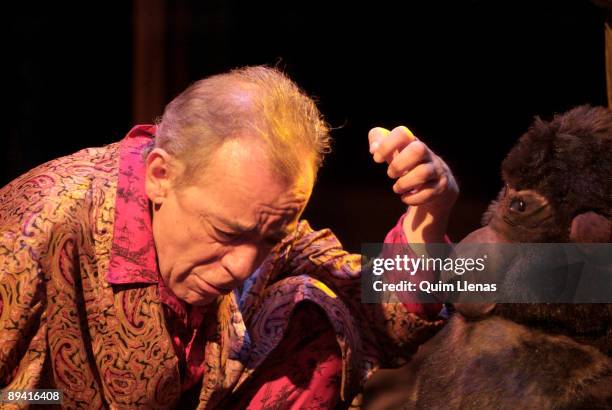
(251, 101)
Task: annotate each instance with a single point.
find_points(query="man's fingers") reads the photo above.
(415, 153)
(425, 192)
(420, 175)
(375, 136)
(393, 143)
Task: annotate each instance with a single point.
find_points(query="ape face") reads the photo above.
(558, 188)
(522, 216)
(558, 172)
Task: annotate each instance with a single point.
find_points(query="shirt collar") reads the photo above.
(133, 258)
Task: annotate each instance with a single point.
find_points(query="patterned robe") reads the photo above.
(64, 325)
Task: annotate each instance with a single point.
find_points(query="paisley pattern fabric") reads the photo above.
(303, 372)
(106, 345)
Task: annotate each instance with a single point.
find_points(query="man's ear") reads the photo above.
(158, 175)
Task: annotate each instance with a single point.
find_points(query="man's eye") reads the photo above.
(226, 236)
(517, 205)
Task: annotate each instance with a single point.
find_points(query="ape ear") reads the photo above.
(590, 227)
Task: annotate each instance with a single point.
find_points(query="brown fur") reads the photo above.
(485, 364)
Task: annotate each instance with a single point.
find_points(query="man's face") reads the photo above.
(212, 233)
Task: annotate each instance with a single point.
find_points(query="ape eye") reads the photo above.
(517, 205)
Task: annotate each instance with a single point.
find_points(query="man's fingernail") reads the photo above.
(407, 130)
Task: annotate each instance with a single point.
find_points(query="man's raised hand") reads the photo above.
(422, 177)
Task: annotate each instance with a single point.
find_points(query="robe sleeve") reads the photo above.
(396, 236)
(22, 299)
(303, 371)
(41, 218)
(391, 332)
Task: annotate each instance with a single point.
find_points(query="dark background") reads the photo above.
(466, 76)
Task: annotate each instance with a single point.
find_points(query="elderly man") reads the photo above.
(172, 268)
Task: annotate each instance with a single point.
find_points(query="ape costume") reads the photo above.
(558, 188)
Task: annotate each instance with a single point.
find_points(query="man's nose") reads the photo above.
(241, 261)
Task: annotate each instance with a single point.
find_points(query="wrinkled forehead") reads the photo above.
(246, 186)
(283, 199)
(281, 217)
